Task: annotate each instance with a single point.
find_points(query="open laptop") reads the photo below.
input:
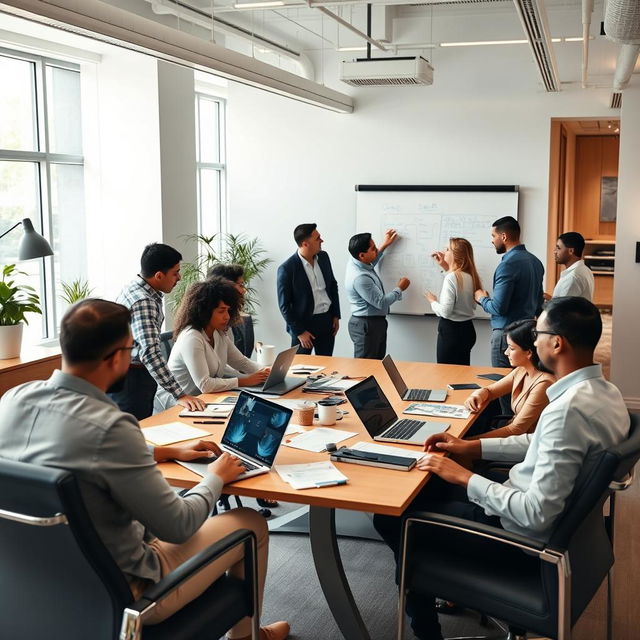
(254, 433)
(381, 421)
(421, 395)
(278, 383)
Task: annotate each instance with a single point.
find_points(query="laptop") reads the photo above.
(254, 433)
(381, 421)
(422, 395)
(278, 383)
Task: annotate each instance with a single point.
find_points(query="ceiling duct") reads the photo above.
(622, 24)
(534, 22)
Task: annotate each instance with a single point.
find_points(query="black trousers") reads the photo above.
(440, 497)
(369, 336)
(455, 341)
(137, 395)
(321, 326)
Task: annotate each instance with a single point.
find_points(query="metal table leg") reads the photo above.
(326, 557)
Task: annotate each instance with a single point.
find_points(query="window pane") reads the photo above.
(67, 228)
(209, 201)
(17, 116)
(63, 107)
(35, 330)
(18, 199)
(209, 130)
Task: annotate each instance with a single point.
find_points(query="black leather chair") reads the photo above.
(59, 580)
(166, 343)
(539, 586)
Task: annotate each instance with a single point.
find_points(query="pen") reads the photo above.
(330, 483)
(208, 422)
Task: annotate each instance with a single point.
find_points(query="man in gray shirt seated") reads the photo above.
(585, 415)
(69, 422)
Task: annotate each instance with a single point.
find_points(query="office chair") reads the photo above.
(166, 343)
(59, 580)
(539, 586)
(243, 335)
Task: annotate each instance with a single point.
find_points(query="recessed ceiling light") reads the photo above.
(481, 43)
(259, 5)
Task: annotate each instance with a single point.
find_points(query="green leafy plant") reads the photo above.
(16, 299)
(75, 291)
(234, 249)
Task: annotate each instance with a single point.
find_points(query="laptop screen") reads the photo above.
(256, 427)
(371, 405)
(394, 374)
(280, 367)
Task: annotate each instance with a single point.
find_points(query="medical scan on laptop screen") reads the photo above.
(256, 427)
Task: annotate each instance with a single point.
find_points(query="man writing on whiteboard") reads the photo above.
(369, 303)
(517, 290)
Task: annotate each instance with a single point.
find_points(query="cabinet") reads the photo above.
(600, 255)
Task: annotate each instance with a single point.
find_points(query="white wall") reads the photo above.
(290, 163)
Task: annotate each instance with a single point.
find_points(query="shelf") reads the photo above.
(598, 257)
(603, 273)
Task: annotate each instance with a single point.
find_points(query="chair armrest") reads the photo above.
(160, 590)
(475, 528)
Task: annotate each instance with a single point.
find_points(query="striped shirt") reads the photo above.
(145, 304)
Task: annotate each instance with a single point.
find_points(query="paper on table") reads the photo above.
(312, 475)
(373, 447)
(316, 439)
(172, 432)
(212, 410)
(438, 410)
(307, 370)
(294, 428)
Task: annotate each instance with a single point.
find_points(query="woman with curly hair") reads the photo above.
(204, 358)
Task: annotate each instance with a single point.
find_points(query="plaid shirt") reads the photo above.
(147, 317)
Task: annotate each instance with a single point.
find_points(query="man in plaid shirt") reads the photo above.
(159, 273)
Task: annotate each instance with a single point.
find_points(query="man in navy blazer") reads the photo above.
(308, 294)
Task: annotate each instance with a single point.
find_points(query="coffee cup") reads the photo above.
(327, 413)
(303, 413)
(266, 354)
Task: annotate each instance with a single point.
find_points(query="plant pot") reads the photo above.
(10, 340)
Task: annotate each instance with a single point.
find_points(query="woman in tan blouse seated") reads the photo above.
(526, 383)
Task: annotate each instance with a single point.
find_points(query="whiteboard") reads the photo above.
(425, 218)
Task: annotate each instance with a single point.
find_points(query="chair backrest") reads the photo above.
(166, 344)
(581, 529)
(58, 579)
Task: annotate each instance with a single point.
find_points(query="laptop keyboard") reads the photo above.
(249, 466)
(419, 394)
(404, 429)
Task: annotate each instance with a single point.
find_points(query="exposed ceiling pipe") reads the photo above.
(205, 20)
(627, 58)
(587, 10)
(344, 3)
(622, 24)
(349, 26)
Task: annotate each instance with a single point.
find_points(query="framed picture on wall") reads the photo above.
(608, 199)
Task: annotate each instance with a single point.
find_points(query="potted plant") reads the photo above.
(16, 300)
(75, 291)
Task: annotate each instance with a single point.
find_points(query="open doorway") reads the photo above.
(582, 197)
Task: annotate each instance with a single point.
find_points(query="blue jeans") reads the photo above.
(498, 359)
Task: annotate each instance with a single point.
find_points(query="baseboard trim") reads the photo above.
(633, 404)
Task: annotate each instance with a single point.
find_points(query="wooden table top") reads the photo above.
(370, 489)
(30, 355)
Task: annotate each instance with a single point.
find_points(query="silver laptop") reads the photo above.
(278, 383)
(381, 421)
(254, 433)
(420, 395)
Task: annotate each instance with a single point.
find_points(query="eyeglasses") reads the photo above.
(133, 346)
(535, 333)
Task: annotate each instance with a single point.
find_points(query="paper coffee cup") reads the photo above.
(303, 413)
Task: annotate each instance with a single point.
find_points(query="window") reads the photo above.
(42, 175)
(211, 168)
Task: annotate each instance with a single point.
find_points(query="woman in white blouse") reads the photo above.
(204, 345)
(456, 307)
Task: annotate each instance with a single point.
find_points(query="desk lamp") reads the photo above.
(32, 245)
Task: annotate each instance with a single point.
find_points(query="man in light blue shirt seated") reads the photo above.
(369, 303)
(585, 415)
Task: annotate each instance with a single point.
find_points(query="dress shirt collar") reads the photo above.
(362, 265)
(518, 247)
(586, 373)
(572, 267)
(63, 380)
(306, 263)
(148, 288)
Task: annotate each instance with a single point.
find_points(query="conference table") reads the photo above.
(369, 489)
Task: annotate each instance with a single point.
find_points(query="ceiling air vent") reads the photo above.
(384, 72)
(616, 100)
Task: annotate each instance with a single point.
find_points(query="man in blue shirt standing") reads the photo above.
(517, 288)
(369, 303)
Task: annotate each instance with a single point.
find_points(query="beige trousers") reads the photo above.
(214, 529)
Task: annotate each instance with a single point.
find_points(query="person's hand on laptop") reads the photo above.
(446, 443)
(445, 468)
(187, 452)
(227, 467)
(254, 379)
(192, 403)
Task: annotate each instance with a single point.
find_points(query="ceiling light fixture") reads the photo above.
(258, 5)
(481, 43)
(351, 49)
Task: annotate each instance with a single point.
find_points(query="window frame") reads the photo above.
(43, 160)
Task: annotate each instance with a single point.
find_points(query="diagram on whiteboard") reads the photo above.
(425, 221)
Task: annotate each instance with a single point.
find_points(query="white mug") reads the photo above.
(266, 354)
(327, 413)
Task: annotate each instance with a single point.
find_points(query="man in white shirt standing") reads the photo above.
(308, 294)
(577, 278)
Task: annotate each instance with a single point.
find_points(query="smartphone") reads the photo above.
(334, 400)
(458, 387)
